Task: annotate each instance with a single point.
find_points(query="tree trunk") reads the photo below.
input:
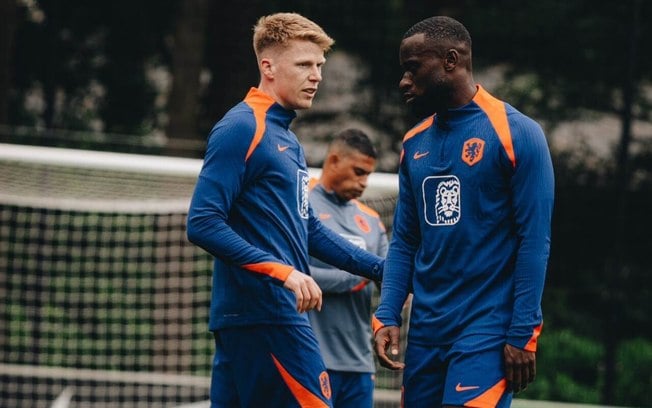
(187, 63)
(231, 58)
(618, 275)
(8, 21)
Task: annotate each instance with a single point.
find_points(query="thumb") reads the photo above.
(394, 342)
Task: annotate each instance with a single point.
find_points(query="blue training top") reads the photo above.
(250, 210)
(471, 231)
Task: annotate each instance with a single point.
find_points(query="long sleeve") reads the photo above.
(400, 257)
(219, 184)
(532, 187)
(332, 249)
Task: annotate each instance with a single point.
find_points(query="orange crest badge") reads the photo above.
(325, 384)
(362, 223)
(472, 151)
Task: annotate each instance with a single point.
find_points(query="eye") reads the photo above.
(411, 67)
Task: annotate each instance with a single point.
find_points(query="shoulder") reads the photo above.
(521, 124)
(366, 210)
(235, 133)
(238, 121)
(419, 128)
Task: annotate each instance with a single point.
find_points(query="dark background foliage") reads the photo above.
(78, 74)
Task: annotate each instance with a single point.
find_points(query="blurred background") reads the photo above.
(152, 77)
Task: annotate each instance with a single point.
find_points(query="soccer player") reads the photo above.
(250, 210)
(471, 232)
(343, 326)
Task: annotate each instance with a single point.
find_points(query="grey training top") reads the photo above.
(343, 326)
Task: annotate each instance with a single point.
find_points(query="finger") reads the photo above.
(299, 294)
(383, 343)
(381, 346)
(301, 298)
(533, 370)
(315, 295)
(307, 298)
(394, 336)
(525, 376)
(319, 302)
(516, 382)
(509, 372)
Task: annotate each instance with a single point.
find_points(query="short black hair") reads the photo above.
(355, 139)
(441, 28)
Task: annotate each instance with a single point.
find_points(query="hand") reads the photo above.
(388, 338)
(520, 367)
(305, 289)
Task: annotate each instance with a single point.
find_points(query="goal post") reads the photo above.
(99, 282)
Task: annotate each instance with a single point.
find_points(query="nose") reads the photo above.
(363, 181)
(315, 74)
(405, 81)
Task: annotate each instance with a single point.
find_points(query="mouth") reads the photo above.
(310, 91)
(356, 193)
(408, 97)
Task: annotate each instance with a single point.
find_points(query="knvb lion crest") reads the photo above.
(303, 180)
(442, 200)
(472, 151)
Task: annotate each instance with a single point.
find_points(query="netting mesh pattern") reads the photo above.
(106, 291)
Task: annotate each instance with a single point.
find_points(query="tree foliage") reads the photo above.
(79, 65)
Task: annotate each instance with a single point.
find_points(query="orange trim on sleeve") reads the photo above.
(259, 102)
(495, 110)
(304, 397)
(274, 269)
(360, 286)
(418, 128)
(376, 324)
(532, 344)
(489, 398)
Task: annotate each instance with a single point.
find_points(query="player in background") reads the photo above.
(471, 233)
(250, 210)
(343, 326)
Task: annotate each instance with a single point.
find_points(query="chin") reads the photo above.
(421, 110)
(303, 105)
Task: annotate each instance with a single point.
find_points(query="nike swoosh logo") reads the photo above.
(418, 155)
(281, 148)
(459, 387)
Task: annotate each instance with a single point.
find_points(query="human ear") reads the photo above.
(267, 68)
(451, 59)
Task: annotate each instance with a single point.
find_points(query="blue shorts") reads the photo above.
(468, 373)
(352, 390)
(268, 366)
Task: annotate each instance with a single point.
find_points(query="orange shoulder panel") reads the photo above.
(312, 183)
(418, 128)
(259, 102)
(366, 209)
(495, 110)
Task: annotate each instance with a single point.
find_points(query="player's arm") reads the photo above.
(219, 183)
(333, 249)
(532, 188)
(397, 276)
(333, 280)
